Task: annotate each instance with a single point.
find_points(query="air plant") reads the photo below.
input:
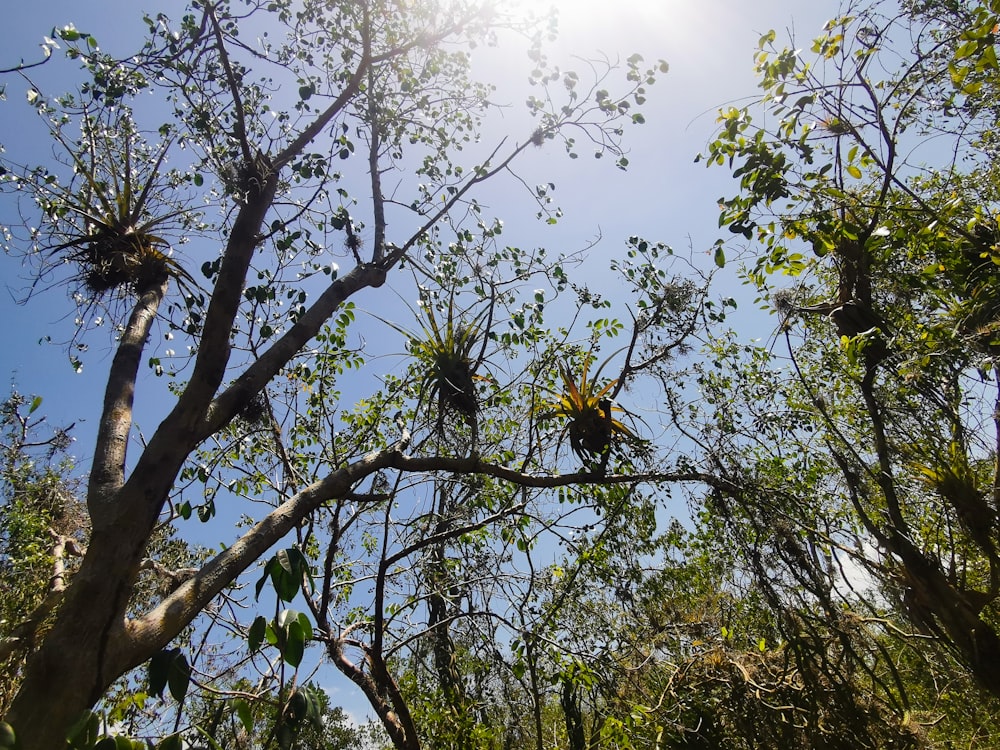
(445, 359)
(114, 245)
(445, 352)
(590, 422)
(955, 480)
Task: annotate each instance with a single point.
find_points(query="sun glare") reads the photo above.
(654, 28)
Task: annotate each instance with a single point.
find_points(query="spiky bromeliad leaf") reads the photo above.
(591, 425)
(115, 248)
(447, 352)
(444, 352)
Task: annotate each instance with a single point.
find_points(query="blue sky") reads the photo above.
(664, 196)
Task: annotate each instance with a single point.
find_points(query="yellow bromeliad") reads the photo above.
(591, 425)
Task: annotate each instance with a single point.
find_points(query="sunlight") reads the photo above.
(674, 29)
(625, 23)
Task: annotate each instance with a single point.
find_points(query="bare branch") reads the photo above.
(239, 125)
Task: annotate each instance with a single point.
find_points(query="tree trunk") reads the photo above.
(977, 643)
(88, 647)
(570, 700)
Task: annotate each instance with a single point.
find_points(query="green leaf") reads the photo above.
(298, 707)
(988, 60)
(206, 511)
(256, 635)
(83, 733)
(303, 620)
(8, 740)
(68, 33)
(285, 736)
(179, 676)
(295, 643)
(284, 558)
(159, 671)
(286, 617)
(263, 579)
(853, 171)
(108, 743)
(314, 708)
(35, 403)
(285, 585)
(242, 709)
(967, 49)
(208, 738)
(288, 569)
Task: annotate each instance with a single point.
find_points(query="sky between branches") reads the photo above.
(664, 196)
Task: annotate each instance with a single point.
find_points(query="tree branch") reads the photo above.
(260, 372)
(373, 692)
(108, 469)
(239, 124)
(378, 199)
(475, 465)
(156, 628)
(265, 367)
(294, 148)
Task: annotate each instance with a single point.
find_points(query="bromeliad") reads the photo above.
(112, 241)
(445, 352)
(589, 414)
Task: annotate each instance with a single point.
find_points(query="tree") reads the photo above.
(277, 409)
(42, 532)
(864, 489)
(306, 718)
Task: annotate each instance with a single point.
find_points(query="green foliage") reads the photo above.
(37, 508)
(303, 719)
(289, 572)
(86, 734)
(289, 633)
(410, 551)
(169, 668)
(863, 461)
